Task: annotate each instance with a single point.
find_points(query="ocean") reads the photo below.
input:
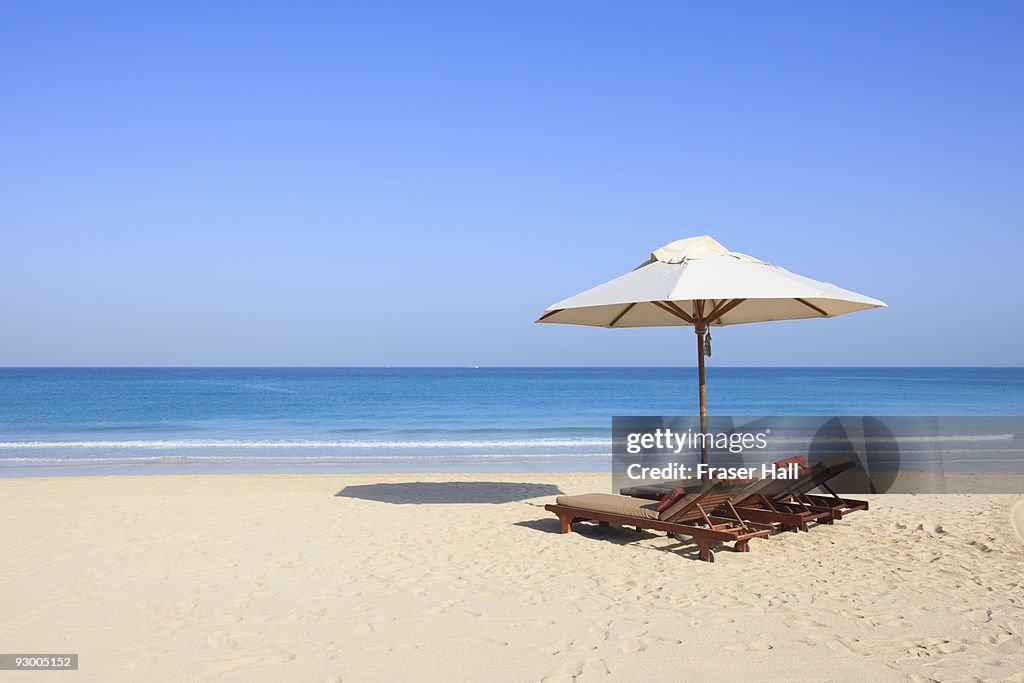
(163, 420)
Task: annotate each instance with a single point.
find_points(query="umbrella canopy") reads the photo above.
(696, 282)
(679, 279)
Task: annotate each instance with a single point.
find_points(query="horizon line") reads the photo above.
(503, 367)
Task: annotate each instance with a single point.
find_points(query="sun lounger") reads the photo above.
(789, 503)
(819, 477)
(785, 502)
(694, 514)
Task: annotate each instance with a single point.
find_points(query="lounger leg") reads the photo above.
(706, 551)
(743, 546)
(566, 524)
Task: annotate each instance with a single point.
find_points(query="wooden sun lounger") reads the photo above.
(820, 475)
(778, 504)
(692, 515)
(768, 505)
(784, 502)
(790, 504)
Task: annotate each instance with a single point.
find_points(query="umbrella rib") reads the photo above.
(717, 314)
(619, 316)
(673, 309)
(550, 313)
(812, 307)
(677, 309)
(716, 308)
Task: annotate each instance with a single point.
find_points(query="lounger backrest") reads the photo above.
(713, 494)
(688, 501)
(773, 488)
(821, 473)
(781, 489)
(754, 490)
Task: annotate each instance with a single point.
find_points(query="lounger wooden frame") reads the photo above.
(697, 520)
(818, 477)
(787, 503)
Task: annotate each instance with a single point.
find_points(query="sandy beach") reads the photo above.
(438, 578)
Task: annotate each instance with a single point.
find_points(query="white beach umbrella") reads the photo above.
(696, 282)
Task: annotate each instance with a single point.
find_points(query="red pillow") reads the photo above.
(670, 499)
(800, 460)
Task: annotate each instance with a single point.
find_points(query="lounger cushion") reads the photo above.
(612, 504)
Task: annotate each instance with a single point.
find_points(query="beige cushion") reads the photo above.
(613, 504)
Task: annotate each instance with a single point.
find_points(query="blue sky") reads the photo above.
(401, 184)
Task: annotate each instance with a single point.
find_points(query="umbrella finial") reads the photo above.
(703, 246)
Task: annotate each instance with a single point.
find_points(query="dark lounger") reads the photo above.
(785, 502)
(694, 515)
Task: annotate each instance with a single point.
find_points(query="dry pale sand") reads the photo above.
(274, 578)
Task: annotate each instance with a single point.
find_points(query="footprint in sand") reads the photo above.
(640, 643)
(712, 621)
(565, 673)
(622, 628)
(170, 626)
(328, 655)
(303, 614)
(269, 655)
(761, 644)
(1004, 640)
(452, 606)
(482, 640)
(948, 648)
(364, 628)
(571, 671)
(401, 647)
(567, 645)
(842, 646)
(143, 657)
(532, 623)
(979, 616)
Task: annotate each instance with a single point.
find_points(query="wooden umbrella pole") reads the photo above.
(700, 329)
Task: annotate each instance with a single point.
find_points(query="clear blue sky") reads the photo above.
(401, 183)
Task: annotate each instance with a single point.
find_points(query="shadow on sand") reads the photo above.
(616, 535)
(419, 492)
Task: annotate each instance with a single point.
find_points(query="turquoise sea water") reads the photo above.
(107, 420)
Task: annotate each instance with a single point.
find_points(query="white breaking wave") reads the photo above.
(921, 438)
(179, 444)
(156, 459)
